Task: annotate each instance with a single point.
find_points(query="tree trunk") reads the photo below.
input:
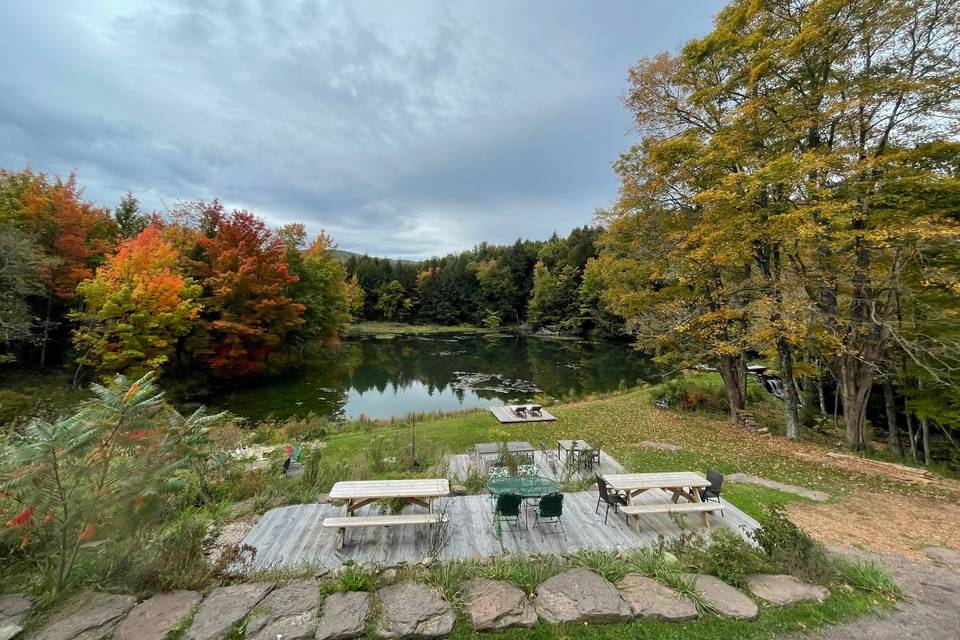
(925, 428)
(785, 357)
(730, 371)
(856, 381)
(910, 434)
(46, 331)
(820, 395)
(890, 406)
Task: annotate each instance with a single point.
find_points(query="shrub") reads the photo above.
(791, 549)
(723, 554)
(699, 392)
(109, 472)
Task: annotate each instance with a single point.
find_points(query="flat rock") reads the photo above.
(290, 610)
(13, 609)
(344, 616)
(803, 492)
(493, 606)
(580, 596)
(225, 607)
(943, 555)
(784, 590)
(724, 599)
(651, 599)
(413, 610)
(88, 616)
(155, 617)
(663, 446)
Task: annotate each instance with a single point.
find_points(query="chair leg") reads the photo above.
(597, 510)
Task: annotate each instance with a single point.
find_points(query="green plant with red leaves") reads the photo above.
(108, 472)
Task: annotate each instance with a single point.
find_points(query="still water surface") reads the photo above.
(384, 377)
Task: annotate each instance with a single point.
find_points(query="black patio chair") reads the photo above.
(590, 458)
(550, 511)
(508, 509)
(715, 478)
(611, 498)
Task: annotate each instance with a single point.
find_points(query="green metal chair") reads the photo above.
(508, 509)
(550, 511)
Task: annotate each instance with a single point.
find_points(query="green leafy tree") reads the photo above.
(392, 302)
(130, 220)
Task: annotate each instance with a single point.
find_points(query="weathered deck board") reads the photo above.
(292, 536)
(505, 416)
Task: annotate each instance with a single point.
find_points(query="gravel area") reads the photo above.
(929, 610)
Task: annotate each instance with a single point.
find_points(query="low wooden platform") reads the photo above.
(505, 415)
(293, 536)
(548, 465)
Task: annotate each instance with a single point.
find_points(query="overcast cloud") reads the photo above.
(402, 128)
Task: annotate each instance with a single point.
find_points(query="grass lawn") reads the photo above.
(619, 424)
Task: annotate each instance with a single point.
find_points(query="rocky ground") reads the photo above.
(931, 605)
(403, 610)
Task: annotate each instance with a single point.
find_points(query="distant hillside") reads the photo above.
(345, 255)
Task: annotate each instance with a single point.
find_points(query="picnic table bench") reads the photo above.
(359, 493)
(681, 484)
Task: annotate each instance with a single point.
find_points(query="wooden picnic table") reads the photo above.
(572, 446)
(359, 493)
(679, 483)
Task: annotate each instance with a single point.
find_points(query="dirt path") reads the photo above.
(929, 611)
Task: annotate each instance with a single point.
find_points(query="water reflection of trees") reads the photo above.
(557, 367)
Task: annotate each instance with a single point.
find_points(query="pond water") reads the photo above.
(382, 377)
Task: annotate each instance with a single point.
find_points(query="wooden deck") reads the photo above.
(548, 464)
(293, 536)
(505, 416)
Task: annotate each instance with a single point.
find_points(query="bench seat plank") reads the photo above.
(382, 521)
(695, 507)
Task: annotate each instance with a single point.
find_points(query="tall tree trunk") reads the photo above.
(731, 372)
(925, 428)
(890, 406)
(785, 358)
(910, 434)
(856, 381)
(820, 395)
(46, 331)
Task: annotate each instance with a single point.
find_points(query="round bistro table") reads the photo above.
(523, 486)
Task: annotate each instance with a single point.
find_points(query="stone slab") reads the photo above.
(290, 610)
(724, 599)
(580, 596)
(88, 616)
(155, 617)
(344, 616)
(785, 590)
(649, 598)
(413, 610)
(492, 605)
(224, 608)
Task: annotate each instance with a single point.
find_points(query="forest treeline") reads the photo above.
(546, 284)
(796, 193)
(201, 290)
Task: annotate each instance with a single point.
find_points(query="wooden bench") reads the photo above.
(352, 522)
(637, 510)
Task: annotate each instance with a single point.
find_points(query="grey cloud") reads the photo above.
(405, 129)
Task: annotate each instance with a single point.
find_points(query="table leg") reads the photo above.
(696, 498)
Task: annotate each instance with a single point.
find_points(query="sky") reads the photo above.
(403, 129)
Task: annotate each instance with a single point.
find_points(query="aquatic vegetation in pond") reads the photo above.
(463, 380)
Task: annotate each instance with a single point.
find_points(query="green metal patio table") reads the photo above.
(523, 486)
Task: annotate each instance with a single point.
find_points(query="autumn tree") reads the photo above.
(321, 286)
(136, 307)
(242, 266)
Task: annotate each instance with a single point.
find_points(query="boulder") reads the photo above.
(944, 556)
(580, 596)
(494, 606)
(13, 609)
(724, 599)
(650, 599)
(88, 616)
(290, 610)
(155, 617)
(413, 610)
(344, 616)
(458, 490)
(783, 590)
(225, 607)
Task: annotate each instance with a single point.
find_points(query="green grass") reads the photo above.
(869, 576)
(403, 329)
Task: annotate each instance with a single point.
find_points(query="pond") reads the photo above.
(383, 377)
